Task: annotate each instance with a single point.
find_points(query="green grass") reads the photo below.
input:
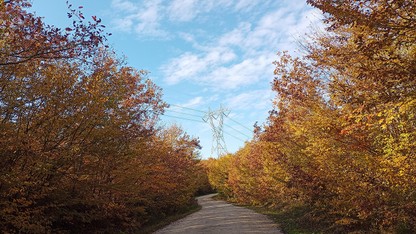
(159, 224)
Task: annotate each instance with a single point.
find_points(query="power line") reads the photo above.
(199, 121)
(237, 130)
(235, 137)
(216, 120)
(183, 107)
(184, 113)
(239, 124)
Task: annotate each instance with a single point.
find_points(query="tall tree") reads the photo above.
(343, 123)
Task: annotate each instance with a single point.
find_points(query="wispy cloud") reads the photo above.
(246, 4)
(247, 72)
(123, 24)
(186, 10)
(251, 100)
(183, 10)
(193, 102)
(149, 20)
(243, 55)
(144, 19)
(124, 5)
(191, 66)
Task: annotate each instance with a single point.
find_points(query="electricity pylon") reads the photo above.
(216, 120)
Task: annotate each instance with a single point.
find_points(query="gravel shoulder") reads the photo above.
(221, 217)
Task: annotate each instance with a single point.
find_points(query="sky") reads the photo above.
(204, 54)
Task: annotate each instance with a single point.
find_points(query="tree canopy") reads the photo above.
(341, 136)
(80, 144)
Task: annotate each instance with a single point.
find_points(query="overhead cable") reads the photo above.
(183, 107)
(184, 113)
(237, 130)
(239, 124)
(178, 117)
(231, 135)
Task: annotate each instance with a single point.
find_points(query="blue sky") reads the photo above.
(202, 53)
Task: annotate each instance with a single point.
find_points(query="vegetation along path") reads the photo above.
(221, 217)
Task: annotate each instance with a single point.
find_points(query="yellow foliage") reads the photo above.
(341, 138)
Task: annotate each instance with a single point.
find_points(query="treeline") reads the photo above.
(80, 149)
(341, 138)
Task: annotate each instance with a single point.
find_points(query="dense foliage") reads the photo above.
(79, 145)
(341, 138)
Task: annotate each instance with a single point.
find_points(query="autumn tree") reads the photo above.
(371, 55)
(80, 146)
(342, 130)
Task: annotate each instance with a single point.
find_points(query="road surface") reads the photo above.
(221, 217)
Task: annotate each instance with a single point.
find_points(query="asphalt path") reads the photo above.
(221, 217)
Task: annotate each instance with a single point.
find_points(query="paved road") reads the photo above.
(221, 217)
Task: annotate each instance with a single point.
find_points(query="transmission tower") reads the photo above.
(216, 121)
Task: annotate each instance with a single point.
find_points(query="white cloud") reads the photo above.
(237, 58)
(271, 29)
(145, 17)
(186, 10)
(124, 5)
(251, 100)
(246, 72)
(245, 4)
(211, 70)
(244, 55)
(148, 20)
(183, 10)
(142, 19)
(187, 65)
(236, 36)
(191, 66)
(193, 102)
(123, 24)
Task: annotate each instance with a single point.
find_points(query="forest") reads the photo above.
(341, 137)
(82, 148)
